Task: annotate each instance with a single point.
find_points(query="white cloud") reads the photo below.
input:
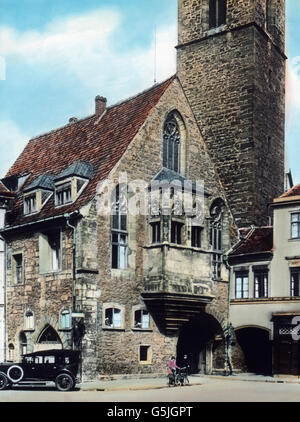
(83, 46)
(12, 142)
(293, 91)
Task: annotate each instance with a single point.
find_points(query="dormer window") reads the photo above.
(30, 205)
(70, 183)
(63, 194)
(37, 193)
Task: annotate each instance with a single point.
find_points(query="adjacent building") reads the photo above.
(265, 299)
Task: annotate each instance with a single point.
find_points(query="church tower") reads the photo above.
(231, 63)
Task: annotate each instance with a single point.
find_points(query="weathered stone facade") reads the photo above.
(234, 78)
(228, 105)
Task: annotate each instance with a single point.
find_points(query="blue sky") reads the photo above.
(60, 54)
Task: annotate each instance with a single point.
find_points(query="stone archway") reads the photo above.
(256, 346)
(202, 341)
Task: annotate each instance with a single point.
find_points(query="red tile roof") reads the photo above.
(100, 143)
(255, 240)
(294, 191)
(4, 191)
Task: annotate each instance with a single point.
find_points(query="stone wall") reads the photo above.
(118, 350)
(46, 295)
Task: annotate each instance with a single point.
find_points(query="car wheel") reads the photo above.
(64, 382)
(3, 381)
(15, 373)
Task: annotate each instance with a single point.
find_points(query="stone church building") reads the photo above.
(131, 289)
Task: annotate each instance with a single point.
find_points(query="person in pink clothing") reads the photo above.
(172, 365)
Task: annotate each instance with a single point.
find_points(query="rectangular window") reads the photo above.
(142, 319)
(113, 318)
(63, 194)
(217, 265)
(50, 251)
(196, 236)
(295, 225)
(145, 354)
(65, 320)
(241, 285)
(295, 278)
(18, 269)
(30, 204)
(176, 229)
(217, 13)
(119, 250)
(155, 232)
(260, 284)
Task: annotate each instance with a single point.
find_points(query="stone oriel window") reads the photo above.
(119, 235)
(295, 279)
(50, 251)
(241, 285)
(295, 225)
(17, 269)
(217, 13)
(145, 354)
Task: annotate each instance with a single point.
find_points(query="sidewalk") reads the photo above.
(139, 382)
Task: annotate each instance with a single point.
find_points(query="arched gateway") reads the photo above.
(201, 340)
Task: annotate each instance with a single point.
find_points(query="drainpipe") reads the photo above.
(74, 258)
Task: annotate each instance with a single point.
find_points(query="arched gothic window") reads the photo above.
(171, 144)
(216, 214)
(119, 235)
(23, 343)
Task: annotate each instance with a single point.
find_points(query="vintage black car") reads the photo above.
(59, 366)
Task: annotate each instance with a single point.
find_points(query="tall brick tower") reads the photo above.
(231, 63)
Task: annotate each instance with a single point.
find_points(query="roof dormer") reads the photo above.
(70, 183)
(37, 194)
